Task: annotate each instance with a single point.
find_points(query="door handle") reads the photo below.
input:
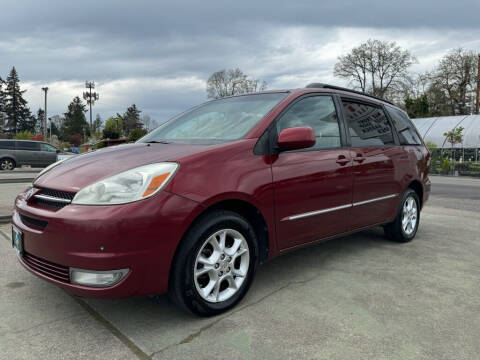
(342, 160)
(359, 158)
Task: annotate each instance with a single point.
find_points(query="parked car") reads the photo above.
(15, 153)
(196, 205)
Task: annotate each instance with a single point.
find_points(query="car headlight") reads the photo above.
(128, 186)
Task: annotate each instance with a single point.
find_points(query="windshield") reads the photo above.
(216, 121)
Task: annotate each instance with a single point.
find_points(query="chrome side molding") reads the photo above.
(341, 207)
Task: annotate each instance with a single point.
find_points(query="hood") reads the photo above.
(82, 170)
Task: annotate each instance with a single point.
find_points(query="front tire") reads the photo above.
(405, 226)
(215, 264)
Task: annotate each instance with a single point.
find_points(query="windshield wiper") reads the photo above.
(158, 142)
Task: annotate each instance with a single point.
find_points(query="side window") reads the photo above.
(28, 145)
(319, 113)
(9, 145)
(367, 125)
(47, 147)
(406, 131)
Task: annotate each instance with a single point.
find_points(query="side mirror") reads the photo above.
(59, 151)
(295, 138)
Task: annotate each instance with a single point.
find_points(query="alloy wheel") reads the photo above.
(409, 216)
(221, 265)
(6, 164)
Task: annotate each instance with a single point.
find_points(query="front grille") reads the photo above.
(53, 199)
(36, 223)
(47, 268)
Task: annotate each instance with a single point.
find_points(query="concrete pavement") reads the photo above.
(358, 297)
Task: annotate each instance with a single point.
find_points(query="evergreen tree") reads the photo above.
(75, 122)
(2, 106)
(16, 109)
(131, 119)
(27, 122)
(40, 121)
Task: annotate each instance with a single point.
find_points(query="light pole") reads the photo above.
(45, 89)
(90, 97)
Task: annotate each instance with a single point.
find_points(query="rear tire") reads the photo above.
(7, 164)
(405, 226)
(215, 264)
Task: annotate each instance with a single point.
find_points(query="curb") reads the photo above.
(16, 180)
(5, 219)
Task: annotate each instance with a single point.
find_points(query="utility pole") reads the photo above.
(90, 97)
(45, 89)
(477, 105)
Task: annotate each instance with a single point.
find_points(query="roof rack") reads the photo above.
(333, 87)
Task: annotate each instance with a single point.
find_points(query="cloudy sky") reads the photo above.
(158, 54)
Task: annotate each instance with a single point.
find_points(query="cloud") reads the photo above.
(159, 54)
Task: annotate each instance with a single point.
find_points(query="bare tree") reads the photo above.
(455, 76)
(375, 67)
(232, 82)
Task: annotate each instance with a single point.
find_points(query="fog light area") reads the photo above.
(97, 278)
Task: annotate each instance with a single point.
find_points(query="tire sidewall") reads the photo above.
(406, 195)
(187, 256)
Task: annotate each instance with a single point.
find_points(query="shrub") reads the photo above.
(23, 135)
(136, 134)
(446, 165)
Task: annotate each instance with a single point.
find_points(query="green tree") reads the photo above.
(113, 127)
(454, 136)
(16, 109)
(40, 118)
(3, 102)
(75, 122)
(417, 107)
(131, 119)
(137, 134)
(23, 135)
(430, 145)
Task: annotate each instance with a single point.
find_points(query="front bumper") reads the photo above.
(140, 236)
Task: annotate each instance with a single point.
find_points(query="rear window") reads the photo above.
(28, 145)
(406, 131)
(8, 145)
(367, 124)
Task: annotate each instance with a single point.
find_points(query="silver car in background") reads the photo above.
(15, 153)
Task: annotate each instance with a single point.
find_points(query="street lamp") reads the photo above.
(90, 97)
(45, 89)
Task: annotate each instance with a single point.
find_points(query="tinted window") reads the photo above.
(27, 145)
(367, 125)
(319, 113)
(47, 147)
(406, 132)
(10, 145)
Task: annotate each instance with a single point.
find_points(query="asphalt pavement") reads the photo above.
(356, 297)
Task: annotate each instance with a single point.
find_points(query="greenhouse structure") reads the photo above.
(433, 129)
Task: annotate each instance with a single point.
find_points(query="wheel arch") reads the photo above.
(417, 186)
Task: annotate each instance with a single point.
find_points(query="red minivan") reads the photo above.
(196, 205)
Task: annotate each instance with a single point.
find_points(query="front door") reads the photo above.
(313, 187)
(376, 184)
